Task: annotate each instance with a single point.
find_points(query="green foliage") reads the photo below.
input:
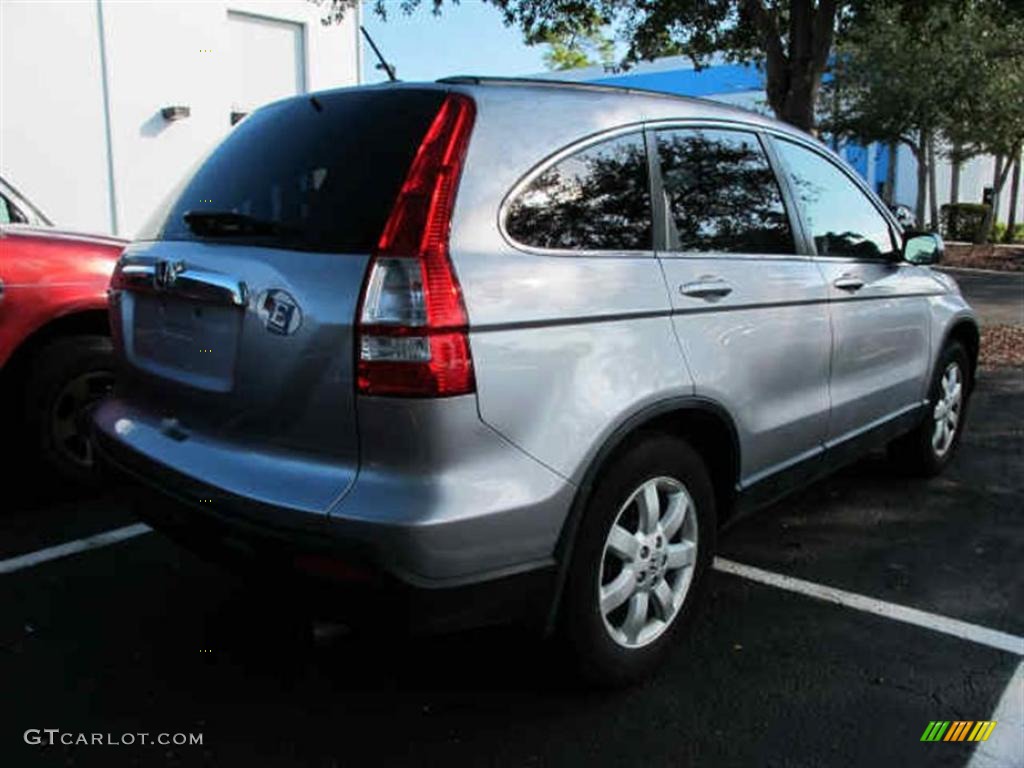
(999, 233)
(951, 71)
(877, 91)
(580, 42)
(791, 38)
(963, 221)
(984, 113)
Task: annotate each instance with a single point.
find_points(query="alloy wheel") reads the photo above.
(648, 562)
(69, 433)
(947, 410)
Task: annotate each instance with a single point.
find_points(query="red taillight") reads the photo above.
(413, 339)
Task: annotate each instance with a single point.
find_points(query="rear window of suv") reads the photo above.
(317, 173)
(597, 199)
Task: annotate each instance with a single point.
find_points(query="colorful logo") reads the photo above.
(958, 730)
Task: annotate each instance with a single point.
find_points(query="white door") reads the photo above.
(268, 61)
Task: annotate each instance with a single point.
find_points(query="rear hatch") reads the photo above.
(234, 312)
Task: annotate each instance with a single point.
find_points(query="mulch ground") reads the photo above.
(1002, 345)
(1008, 258)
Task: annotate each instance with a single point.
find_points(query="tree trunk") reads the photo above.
(954, 181)
(921, 155)
(1011, 219)
(797, 107)
(890, 173)
(793, 76)
(933, 197)
(1002, 173)
(920, 151)
(997, 171)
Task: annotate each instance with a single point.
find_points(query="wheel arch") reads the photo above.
(704, 423)
(966, 331)
(75, 323)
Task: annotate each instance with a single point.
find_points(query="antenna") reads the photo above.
(380, 57)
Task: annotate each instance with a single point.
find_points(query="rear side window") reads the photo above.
(317, 173)
(721, 193)
(597, 199)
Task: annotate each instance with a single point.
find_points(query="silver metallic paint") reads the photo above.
(566, 349)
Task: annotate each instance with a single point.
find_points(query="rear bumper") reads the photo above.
(331, 581)
(460, 546)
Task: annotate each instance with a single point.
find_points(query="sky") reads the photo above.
(468, 38)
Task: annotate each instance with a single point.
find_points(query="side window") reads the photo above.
(597, 199)
(841, 218)
(721, 193)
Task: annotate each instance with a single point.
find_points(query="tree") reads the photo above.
(985, 116)
(792, 39)
(580, 44)
(971, 97)
(1011, 221)
(877, 92)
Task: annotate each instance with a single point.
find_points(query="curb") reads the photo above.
(976, 270)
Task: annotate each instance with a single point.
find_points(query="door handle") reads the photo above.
(850, 283)
(706, 288)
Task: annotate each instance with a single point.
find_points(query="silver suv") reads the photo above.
(512, 349)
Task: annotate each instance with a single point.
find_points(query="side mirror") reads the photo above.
(924, 248)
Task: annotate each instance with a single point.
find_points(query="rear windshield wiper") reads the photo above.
(232, 224)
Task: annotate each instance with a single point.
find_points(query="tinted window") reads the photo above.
(597, 199)
(323, 171)
(722, 193)
(841, 219)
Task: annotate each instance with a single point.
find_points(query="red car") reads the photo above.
(55, 354)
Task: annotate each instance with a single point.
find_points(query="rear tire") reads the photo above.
(66, 379)
(927, 450)
(635, 574)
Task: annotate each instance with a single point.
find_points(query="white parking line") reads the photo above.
(962, 629)
(71, 547)
(1006, 745)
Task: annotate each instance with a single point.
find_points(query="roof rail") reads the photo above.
(569, 84)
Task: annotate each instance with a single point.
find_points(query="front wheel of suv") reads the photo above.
(646, 539)
(928, 448)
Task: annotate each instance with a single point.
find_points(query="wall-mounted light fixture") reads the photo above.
(171, 114)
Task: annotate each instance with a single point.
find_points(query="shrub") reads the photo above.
(1000, 235)
(963, 221)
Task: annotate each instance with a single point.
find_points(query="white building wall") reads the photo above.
(52, 141)
(213, 57)
(976, 174)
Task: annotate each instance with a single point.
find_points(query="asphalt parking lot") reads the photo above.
(140, 636)
(998, 297)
